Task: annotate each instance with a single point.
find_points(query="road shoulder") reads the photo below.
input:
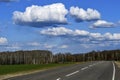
(2, 77)
(117, 70)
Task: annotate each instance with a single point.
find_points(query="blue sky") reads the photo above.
(59, 25)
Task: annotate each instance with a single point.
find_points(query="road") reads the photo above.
(98, 70)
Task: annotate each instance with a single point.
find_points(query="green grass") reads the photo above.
(8, 69)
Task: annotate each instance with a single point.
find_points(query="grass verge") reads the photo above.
(8, 69)
(118, 63)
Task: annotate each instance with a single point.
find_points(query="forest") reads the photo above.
(45, 57)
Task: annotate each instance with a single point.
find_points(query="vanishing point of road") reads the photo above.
(98, 70)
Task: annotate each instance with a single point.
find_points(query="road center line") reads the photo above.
(84, 68)
(90, 65)
(113, 77)
(72, 73)
(58, 78)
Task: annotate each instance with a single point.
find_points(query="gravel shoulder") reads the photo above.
(2, 77)
(118, 63)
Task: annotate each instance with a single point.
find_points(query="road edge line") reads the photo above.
(72, 73)
(113, 77)
(58, 78)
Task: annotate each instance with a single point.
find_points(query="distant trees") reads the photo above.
(45, 57)
(26, 57)
(102, 55)
(63, 57)
(90, 56)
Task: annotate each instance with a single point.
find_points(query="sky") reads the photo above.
(75, 26)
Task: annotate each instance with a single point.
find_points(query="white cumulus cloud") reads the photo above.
(49, 46)
(3, 40)
(62, 31)
(102, 23)
(58, 31)
(41, 16)
(63, 46)
(96, 36)
(115, 36)
(84, 15)
(80, 34)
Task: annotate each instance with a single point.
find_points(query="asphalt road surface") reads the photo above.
(98, 70)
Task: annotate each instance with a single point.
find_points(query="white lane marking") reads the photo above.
(90, 65)
(81, 69)
(94, 64)
(113, 77)
(84, 68)
(58, 78)
(72, 73)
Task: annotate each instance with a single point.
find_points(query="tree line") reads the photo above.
(26, 57)
(45, 57)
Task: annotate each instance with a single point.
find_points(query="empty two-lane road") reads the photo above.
(99, 70)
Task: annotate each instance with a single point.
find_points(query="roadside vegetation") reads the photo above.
(13, 62)
(7, 69)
